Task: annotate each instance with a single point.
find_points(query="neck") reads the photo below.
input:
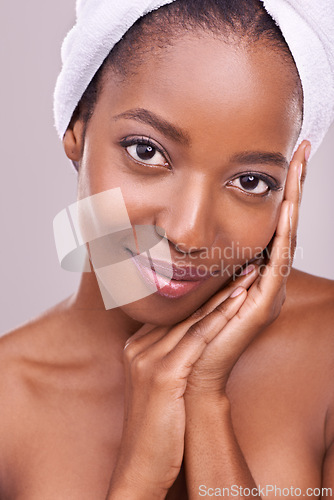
(88, 306)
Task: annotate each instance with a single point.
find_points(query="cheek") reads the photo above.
(249, 230)
(101, 169)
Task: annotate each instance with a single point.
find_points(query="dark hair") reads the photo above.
(245, 22)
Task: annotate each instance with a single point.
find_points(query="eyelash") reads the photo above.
(145, 141)
(272, 184)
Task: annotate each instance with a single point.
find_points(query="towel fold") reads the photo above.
(308, 29)
(307, 26)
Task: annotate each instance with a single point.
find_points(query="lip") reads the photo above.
(170, 280)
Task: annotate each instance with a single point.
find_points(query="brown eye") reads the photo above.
(146, 154)
(251, 183)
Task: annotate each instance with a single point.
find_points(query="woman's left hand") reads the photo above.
(264, 298)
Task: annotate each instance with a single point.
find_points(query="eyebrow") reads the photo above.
(149, 118)
(262, 158)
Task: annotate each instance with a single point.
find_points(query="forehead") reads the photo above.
(214, 89)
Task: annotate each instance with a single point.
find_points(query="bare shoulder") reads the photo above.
(312, 297)
(45, 368)
(59, 396)
(308, 316)
(23, 357)
(309, 308)
(34, 340)
(35, 345)
(310, 287)
(285, 379)
(309, 312)
(41, 352)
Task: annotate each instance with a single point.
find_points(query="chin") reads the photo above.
(157, 318)
(162, 310)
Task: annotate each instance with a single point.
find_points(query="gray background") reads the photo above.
(37, 181)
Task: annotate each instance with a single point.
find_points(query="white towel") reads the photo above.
(307, 26)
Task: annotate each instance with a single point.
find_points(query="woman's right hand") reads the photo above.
(157, 363)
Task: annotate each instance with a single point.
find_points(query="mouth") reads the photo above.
(170, 280)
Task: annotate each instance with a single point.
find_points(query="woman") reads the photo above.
(211, 386)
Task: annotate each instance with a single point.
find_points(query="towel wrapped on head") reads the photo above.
(307, 26)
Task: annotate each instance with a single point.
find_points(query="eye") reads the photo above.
(252, 183)
(144, 151)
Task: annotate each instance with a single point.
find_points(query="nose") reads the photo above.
(188, 215)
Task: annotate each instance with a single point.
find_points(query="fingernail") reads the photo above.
(247, 270)
(308, 152)
(237, 292)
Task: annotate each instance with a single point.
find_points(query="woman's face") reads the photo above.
(198, 139)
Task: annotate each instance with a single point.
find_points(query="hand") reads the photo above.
(157, 365)
(262, 302)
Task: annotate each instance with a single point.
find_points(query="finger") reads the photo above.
(245, 280)
(199, 335)
(238, 332)
(169, 341)
(294, 184)
(144, 330)
(144, 338)
(302, 165)
(285, 241)
(307, 153)
(300, 157)
(297, 173)
(148, 335)
(276, 271)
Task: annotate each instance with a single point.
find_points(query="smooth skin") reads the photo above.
(154, 399)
